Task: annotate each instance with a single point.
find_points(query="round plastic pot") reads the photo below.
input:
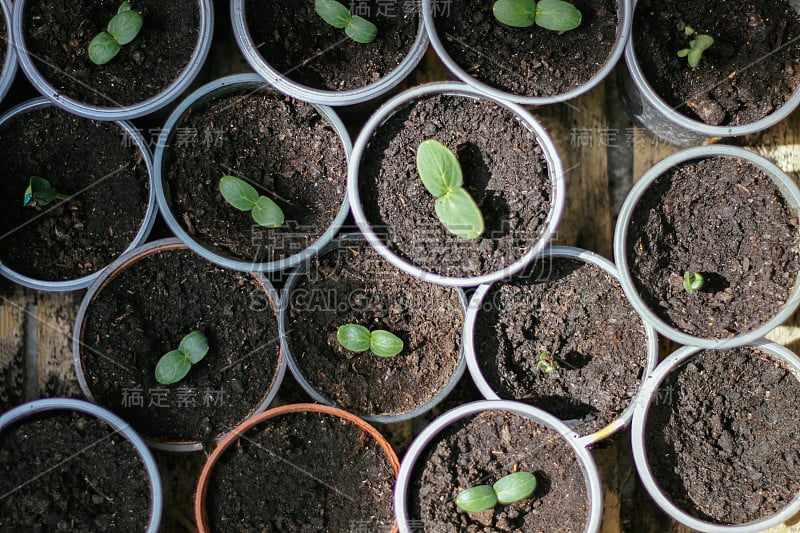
(624, 18)
(486, 390)
(200, 513)
(141, 235)
(9, 68)
(790, 192)
(170, 93)
(220, 89)
(110, 273)
(652, 112)
(319, 397)
(297, 90)
(120, 426)
(649, 394)
(554, 165)
(594, 488)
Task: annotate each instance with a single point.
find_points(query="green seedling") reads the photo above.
(173, 366)
(693, 281)
(546, 363)
(441, 174)
(509, 489)
(555, 15)
(337, 15)
(697, 46)
(244, 197)
(39, 193)
(358, 339)
(122, 29)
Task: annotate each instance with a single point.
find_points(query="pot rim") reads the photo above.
(9, 68)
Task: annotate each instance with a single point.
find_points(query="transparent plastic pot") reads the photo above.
(9, 68)
(144, 230)
(594, 488)
(119, 425)
(126, 112)
(486, 389)
(320, 96)
(649, 393)
(784, 184)
(217, 89)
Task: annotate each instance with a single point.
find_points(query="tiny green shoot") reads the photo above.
(441, 174)
(697, 46)
(358, 339)
(244, 197)
(556, 15)
(39, 193)
(122, 29)
(174, 365)
(338, 15)
(546, 363)
(508, 489)
(693, 281)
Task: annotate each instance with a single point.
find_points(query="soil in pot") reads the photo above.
(504, 169)
(64, 471)
(3, 41)
(298, 43)
(145, 311)
(353, 284)
(482, 449)
(98, 164)
(726, 219)
(750, 71)
(302, 472)
(282, 146)
(527, 61)
(721, 436)
(577, 313)
(58, 34)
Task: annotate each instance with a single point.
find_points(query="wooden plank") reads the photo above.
(55, 320)
(12, 347)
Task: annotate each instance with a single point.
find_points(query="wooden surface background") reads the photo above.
(603, 153)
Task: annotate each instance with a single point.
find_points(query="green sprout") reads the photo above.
(555, 15)
(509, 489)
(441, 174)
(39, 192)
(358, 339)
(697, 46)
(244, 197)
(693, 281)
(547, 363)
(337, 15)
(173, 366)
(121, 30)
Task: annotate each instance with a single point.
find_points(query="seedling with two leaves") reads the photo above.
(244, 197)
(173, 366)
(40, 193)
(338, 15)
(357, 338)
(555, 15)
(547, 362)
(697, 46)
(122, 29)
(508, 489)
(693, 281)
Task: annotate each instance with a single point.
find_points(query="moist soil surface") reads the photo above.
(722, 436)
(145, 311)
(302, 472)
(68, 471)
(482, 449)
(528, 61)
(725, 218)
(504, 170)
(578, 314)
(96, 163)
(283, 147)
(750, 71)
(298, 43)
(353, 284)
(3, 41)
(57, 35)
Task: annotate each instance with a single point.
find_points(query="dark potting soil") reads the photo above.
(576, 312)
(355, 285)
(145, 311)
(725, 218)
(527, 61)
(504, 170)
(67, 471)
(57, 35)
(751, 70)
(482, 449)
(722, 436)
(3, 41)
(95, 162)
(294, 40)
(283, 147)
(302, 472)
